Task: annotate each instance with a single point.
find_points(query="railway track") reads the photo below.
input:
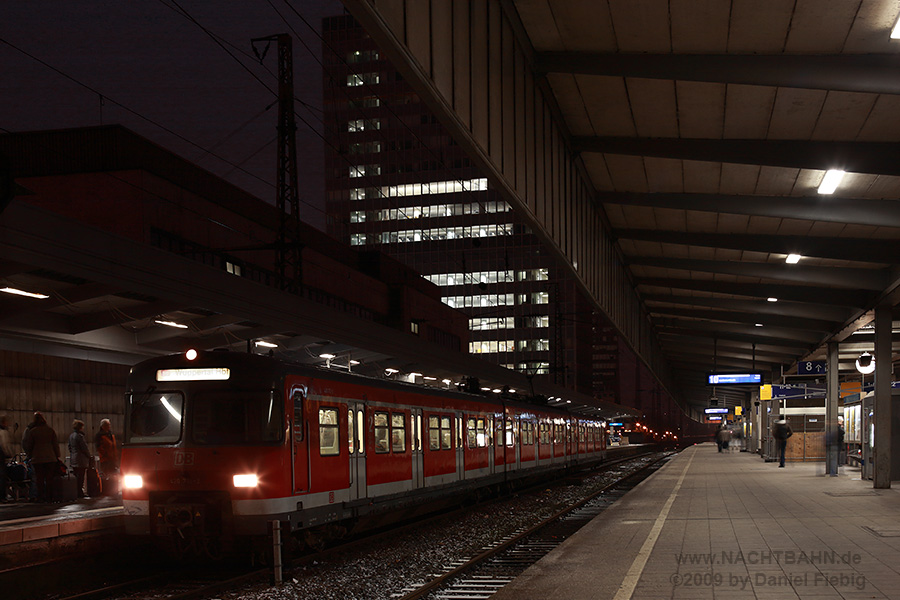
(473, 576)
(483, 574)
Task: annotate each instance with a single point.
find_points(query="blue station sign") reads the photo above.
(733, 378)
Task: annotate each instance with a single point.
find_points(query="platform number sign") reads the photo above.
(811, 367)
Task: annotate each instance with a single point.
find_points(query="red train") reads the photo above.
(219, 444)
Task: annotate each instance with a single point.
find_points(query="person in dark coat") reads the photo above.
(79, 455)
(42, 449)
(781, 431)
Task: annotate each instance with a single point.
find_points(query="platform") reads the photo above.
(712, 525)
(31, 532)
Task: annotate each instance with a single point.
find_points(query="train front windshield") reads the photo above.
(214, 418)
(154, 418)
(236, 418)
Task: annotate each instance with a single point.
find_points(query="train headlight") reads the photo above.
(133, 482)
(248, 480)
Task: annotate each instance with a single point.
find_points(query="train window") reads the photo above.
(545, 433)
(472, 434)
(446, 434)
(350, 436)
(229, 417)
(434, 433)
(498, 434)
(153, 418)
(398, 433)
(382, 433)
(329, 432)
(481, 434)
(418, 432)
(361, 430)
(298, 399)
(510, 434)
(459, 432)
(581, 436)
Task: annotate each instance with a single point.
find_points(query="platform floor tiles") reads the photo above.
(730, 526)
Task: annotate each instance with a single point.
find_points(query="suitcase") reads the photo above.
(64, 489)
(92, 482)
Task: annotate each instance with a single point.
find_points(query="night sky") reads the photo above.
(157, 70)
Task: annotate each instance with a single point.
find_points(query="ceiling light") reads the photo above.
(793, 259)
(426, 378)
(865, 364)
(326, 356)
(895, 32)
(446, 381)
(10, 290)
(415, 374)
(171, 324)
(354, 362)
(759, 324)
(266, 344)
(391, 371)
(496, 390)
(830, 181)
(772, 299)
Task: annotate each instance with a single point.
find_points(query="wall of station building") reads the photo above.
(63, 389)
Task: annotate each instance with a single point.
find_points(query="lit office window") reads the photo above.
(491, 346)
(357, 239)
(483, 300)
(491, 323)
(533, 345)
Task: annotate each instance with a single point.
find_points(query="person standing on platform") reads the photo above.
(6, 453)
(721, 438)
(42, 448)
(107, 451)
(842, 455)
(781, 431)
(79, 455)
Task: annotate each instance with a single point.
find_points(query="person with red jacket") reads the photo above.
(107, 450)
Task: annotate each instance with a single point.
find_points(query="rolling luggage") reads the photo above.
(92, 482)
(64, 489)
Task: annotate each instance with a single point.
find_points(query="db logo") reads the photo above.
(184, 459)
(330, 497)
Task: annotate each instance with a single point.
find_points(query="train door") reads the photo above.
(299, 440)
(418, 456)
(356, 444)
(460, 448)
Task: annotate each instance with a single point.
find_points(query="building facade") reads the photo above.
(396, 181)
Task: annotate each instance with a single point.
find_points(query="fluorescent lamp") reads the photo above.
(327, 356)
(830, 181)
(354, 362)
(170, 324)
(391, 371)
(266, 344)
(446, 381)
(17, 292)
(793, 259)
(895, 32)
(427, 378)
(759, 325)
(175, 414)
(770, 299)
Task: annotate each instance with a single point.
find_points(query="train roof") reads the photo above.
(272, 367)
